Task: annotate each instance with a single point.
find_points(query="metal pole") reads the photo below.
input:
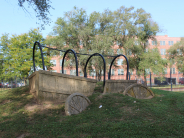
(11, 83)
(170, 79)
(150, 79)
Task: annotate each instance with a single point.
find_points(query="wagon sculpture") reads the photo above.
(73, 90)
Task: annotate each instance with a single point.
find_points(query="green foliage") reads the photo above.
(129, 29)
(79, 32)
(175, 55)
(18, 52)
(41, 8)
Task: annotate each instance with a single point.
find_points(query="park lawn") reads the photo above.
(120, 116)
(168, 86)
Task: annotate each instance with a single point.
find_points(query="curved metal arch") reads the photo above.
(85, 74)
(109, 74)
(41, 55)
(75, 60)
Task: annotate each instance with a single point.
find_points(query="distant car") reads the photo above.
(5, 85)
(181, 81)
(1, 85)
(12, 85)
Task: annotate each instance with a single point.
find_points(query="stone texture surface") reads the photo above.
(139, 91)
(56, 87)
(116, 86)
(76, 103)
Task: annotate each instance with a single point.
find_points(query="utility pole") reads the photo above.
(171, 78)
(150, 79)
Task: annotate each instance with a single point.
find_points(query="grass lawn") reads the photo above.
(168, 86)
(120, 116)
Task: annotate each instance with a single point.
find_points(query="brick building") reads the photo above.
(163, 42)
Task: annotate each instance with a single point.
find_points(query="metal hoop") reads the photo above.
(109, 74)
(41, 55)
(75, 60)
(85, 74)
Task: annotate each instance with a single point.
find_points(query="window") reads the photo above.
(71, 62)
(120, 71)
(155, 50)
(112, 72)
(162, 43)
(117, 43)
(147, 71)
(90, 73)
(80, 43)
(94, 73)
(53, 70)
(120, 62)
(80, 73)
(162, 51)
(171, 43)
(61, 53)
(165, 70)
(53, 62)
(172, 70)
(119, 51)
(154, 43)
(147, 79)
(61, 62)
(101, 72)
(147, 43)
(72, 72)
(64, 71)
(131, 72)
(179, 52)
(136, 43)
(129, 52)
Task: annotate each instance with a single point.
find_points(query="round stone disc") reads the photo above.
(138, 91)
(76, 103)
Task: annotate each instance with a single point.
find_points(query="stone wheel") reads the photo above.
(138, 91)
(76, 103)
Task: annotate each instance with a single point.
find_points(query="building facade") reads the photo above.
(163, 44)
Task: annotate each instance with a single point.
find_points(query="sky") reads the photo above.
(168, 14)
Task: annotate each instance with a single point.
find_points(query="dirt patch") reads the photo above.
(41, 108)
(157, 95)
(5, 114)
(99, 97)
(127, 109)
(23, 135)
(5, 102)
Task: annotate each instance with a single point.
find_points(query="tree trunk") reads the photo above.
(145, 81)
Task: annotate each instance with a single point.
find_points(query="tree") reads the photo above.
(175, 55)
(41, 7)
(18, 52)
(83, 34)
(98, 33)
(145, 29)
